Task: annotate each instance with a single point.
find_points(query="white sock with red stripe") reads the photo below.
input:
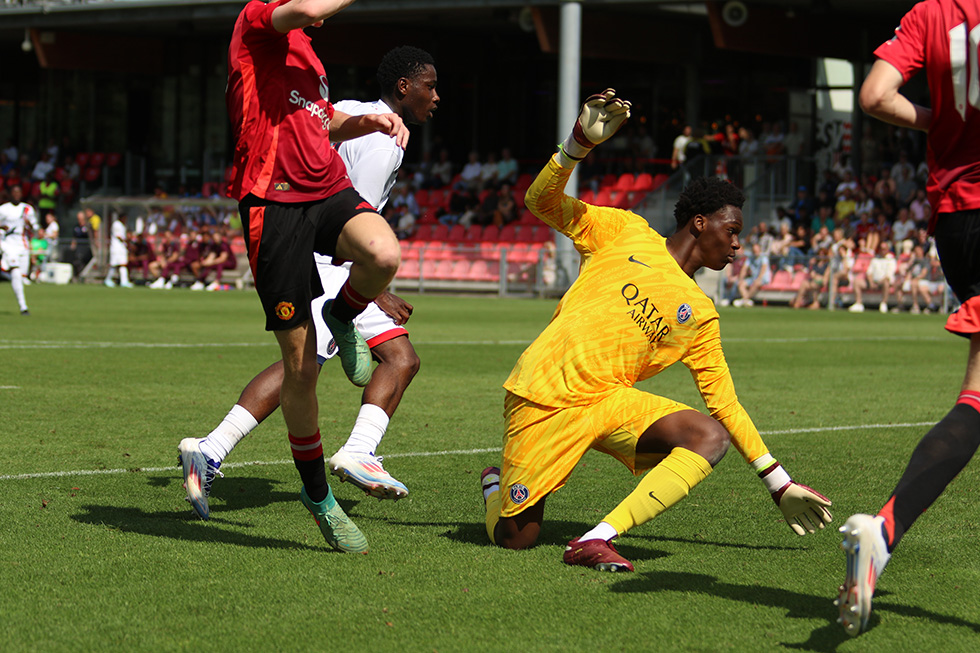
(370, 427)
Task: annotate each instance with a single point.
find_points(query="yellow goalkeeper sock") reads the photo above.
(493, 513)
(663, 486)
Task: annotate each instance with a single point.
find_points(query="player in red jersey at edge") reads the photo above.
(936, 36)
(295, 199)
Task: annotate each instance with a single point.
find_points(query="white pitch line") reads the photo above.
(9, 387)
(54, 344)
(412, 454)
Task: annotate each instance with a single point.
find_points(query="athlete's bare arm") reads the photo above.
(344, 127)
(880, 98)
(303, 13)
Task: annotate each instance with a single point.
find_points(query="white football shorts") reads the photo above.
(13, 253)
(374, 325)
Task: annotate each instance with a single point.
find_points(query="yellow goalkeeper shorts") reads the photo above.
(543, 444)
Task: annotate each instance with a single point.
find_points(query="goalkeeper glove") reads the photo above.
(805, 509)
(602, 115)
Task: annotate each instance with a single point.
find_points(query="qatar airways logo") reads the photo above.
(314, 109)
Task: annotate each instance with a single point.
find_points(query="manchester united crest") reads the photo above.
(285, 311)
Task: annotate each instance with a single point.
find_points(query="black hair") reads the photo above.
(704, 196)
(403, 61)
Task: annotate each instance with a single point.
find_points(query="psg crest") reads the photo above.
(684, 313)
(519, 493)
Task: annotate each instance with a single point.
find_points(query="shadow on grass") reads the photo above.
(183, 524)
(730, 545)
(824, 639)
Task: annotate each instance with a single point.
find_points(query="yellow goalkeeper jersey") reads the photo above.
(632, 313)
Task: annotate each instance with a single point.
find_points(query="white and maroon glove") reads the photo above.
(602, 115)
(805, 509)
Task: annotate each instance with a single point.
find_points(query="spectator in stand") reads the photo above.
(72, 170)
(506, 211)
(141, 254)
(823, 218)
(863, 203)
(729, 145)
(190, 260)
(748, 146)
(781, 242)
(817, 278)
(756, 273)
(81, 245)
(442, 171)
(167, 257)
(697, 146)
(846, 207)
(48, 193)
(847, 183)
(822, 239)
(762, 235)
(879, 275)
(218, 259)
(678, 156)
(902, 165)
(488, 173)
(42, 168)
(842, 253)
(94, 221)
(904, 227)
(773, 142)
(469, 178)
(880, 232)
(918, 207)
(11, 151)
(905, 187)
(507, 168)
(794, 143)
(39, 254)
(932, 286)
(802, 207)
(6, 165)
(52, 231)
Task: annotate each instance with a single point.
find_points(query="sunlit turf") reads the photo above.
(108, 381)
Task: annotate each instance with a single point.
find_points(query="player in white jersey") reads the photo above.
(15, 250)
(407, 76)
(118, 254)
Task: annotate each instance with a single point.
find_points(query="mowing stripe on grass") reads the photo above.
(417, 454)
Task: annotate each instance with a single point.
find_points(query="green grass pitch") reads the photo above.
(99, 551)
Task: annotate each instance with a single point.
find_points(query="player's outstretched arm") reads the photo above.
(344, 127)
(805, 509)
(601, 116)
(303, 13)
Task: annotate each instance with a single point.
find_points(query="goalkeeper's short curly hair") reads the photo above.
(403, 61)
(704, 196)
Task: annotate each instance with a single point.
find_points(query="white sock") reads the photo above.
(370, 427)
(110, 274)
(17, 283)
(236, 425)
(124, 274)
(603, 531)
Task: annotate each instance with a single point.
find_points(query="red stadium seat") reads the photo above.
(491, 232)
(96, 159)
(604, 198)
(424, 232)
(523, 182)
(625, 182)
(82, 159)
(461, 270)
(543, 234)
(428, 270)
(508, 234)
(457, 233)
(440, 232)
(409, 251)
(408, 270)
(659, 180)
(112, 159)
(608, 181)
(422, 197)
(474, 233)
(643, 182)
(781, 280)
(587, 195)
(444, 270)
(91, 174)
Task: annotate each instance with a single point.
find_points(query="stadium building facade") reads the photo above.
(145, 78)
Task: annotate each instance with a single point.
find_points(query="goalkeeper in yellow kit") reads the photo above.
(634, 311)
